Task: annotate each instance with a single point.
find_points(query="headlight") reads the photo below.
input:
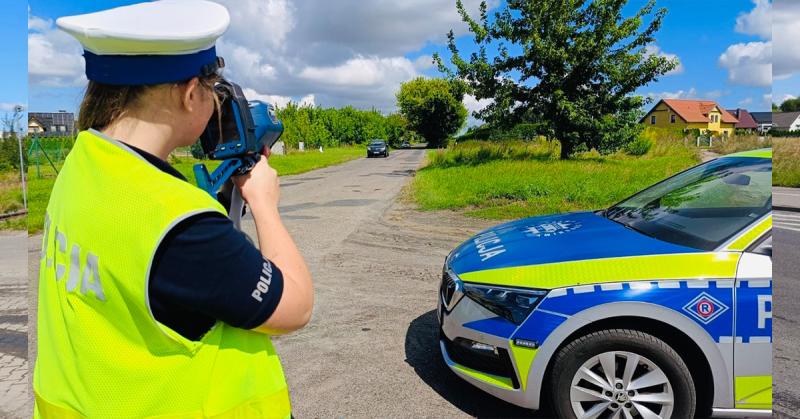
(511, 304)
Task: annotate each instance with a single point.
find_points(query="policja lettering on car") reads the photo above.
(486, 239)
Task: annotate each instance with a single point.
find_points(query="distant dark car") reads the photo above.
(406, 144)
(378, 148)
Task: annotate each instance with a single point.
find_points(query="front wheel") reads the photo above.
(623, 374)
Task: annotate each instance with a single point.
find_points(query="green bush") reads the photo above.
(197, 151)
(778, 133)
(642, 144)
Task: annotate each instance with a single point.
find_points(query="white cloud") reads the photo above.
(36, 23)
(473, 105)
(758, 21)
(423, 62)
(280, 101)
(362, 71)
(785, 97)
(746, 101)
(259, 23)
(748, 64)
(786, 30)
(653, 49)
(680, 94)
(54, 58)
(766, 101)
(692, 93)
(347, 52)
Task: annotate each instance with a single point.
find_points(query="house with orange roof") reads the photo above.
(705, 115)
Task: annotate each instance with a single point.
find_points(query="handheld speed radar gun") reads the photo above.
(237, 135)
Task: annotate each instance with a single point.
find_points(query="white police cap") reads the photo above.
(150, 43)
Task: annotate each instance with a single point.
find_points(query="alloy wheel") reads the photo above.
(621, 385)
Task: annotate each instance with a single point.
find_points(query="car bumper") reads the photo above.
(495, 374)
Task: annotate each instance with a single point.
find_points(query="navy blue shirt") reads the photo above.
(205, 270)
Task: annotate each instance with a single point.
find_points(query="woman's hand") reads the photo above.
(260, 187)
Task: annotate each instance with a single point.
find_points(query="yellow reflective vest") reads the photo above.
(101, 354)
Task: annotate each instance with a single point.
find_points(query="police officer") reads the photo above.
(151, 304)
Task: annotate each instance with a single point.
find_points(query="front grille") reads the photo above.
(447, 289)
(499, 365)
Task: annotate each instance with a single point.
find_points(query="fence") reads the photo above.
(48, 154)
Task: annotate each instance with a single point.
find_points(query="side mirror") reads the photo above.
(765, 248)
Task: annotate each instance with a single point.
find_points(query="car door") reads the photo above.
(753, 327)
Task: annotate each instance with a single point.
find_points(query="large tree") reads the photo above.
(573, 67)
(433, 108)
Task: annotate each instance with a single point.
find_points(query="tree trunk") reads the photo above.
(567, 149)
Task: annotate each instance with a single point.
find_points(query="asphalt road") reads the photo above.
(785, 197)
(786, 316)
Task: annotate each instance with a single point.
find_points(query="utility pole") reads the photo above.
(17, 115)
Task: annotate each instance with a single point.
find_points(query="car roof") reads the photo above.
(763, 153)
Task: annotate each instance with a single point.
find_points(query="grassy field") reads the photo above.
(11, 201)
(724, 146)
(293, 163)
(786, 162)
(517, 180)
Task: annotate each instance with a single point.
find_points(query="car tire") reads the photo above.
(572, 394)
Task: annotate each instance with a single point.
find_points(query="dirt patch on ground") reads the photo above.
(372, 348)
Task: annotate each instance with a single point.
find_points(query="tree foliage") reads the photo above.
(789, 105)
(334, 127)
(9, 146)
(433, 108)
(573, 67)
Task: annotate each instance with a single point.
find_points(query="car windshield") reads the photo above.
(376, 143)
(703, 206)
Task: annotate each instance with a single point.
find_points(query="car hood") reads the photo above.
(553, 239)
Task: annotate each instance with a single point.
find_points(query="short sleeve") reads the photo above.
(206, 270)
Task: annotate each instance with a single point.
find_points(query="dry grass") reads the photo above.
(786, 162)
(736, 143)
(10, 193)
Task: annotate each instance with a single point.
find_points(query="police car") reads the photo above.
(657, 307)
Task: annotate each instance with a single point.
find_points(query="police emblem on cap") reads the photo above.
(150, 43)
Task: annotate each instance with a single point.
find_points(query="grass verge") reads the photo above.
(11, 201)
(294, 163)
(518, 180)
(736, 143)
(786, 162)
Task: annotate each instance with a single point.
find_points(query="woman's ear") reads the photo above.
(191, 96)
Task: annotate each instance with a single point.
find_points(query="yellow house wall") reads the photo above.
(662, 114)
(722, 128)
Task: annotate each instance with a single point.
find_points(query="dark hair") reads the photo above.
(103, 104)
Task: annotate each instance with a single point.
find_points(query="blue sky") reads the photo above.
(13, 72)
(339, 52)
